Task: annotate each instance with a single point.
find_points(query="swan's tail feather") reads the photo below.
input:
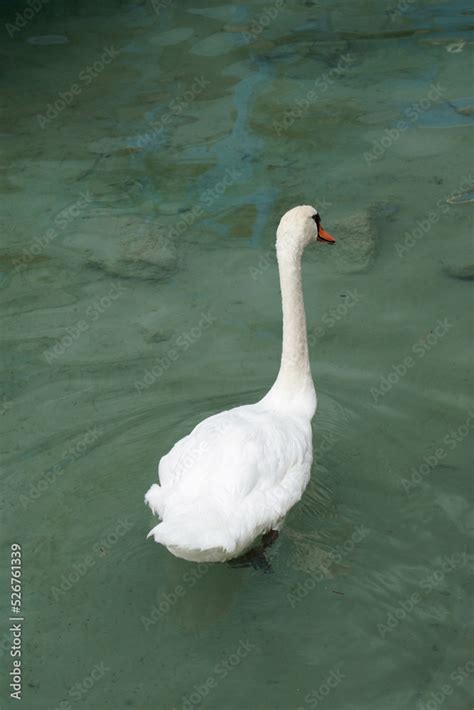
(194, 531)
(198, 533)
(154, 498)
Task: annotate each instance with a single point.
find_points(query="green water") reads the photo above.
(147, 153)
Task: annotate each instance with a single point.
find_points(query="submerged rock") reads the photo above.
(128, 246)
(463, 273)
(356, 242)
(357, 236)
(152, 255)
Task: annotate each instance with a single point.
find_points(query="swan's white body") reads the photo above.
(238, 473)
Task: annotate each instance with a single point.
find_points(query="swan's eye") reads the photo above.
(316, 218)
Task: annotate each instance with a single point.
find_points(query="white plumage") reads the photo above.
(238, 473)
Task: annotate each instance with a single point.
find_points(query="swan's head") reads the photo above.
(300, 226)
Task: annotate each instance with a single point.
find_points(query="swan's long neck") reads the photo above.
(294, 385)
(294, 357)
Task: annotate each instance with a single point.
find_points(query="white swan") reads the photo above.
(238, 473)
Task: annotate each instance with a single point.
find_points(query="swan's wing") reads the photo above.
(235, 453)
(235, 476)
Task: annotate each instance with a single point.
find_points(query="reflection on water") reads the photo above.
(148, 152)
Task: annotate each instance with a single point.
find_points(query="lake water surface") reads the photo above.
(148, 151)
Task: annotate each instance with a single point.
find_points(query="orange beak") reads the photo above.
(324, 236)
